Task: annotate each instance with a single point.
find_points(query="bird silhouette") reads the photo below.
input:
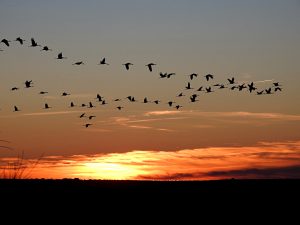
(145, 100)
(99, 97)
(200, 88)
(14, 89)
(156, 102)
(231, 81)
(170, 103)
(83, 105)
(104, 102)
(103, 62)
(277, 89)
(127, 65)
(193, 75)
(276, 84)
(163, 75)
(251, 87)
(72, 104)
(65, 94)
(170, 74)
(260, 92)
(43, 92)
(193, 98)
(119, 107)
(20, 40)
(178, 106)
(268, 91)
(28, 83)
(45, 48)
(180, 95)
(208, 90)
(87, 125)
(209, 76)
(82, 115)
(91, 105)
(34, 43)
(150, 65)
(117, 100)
(241, 87)
(6, 42)
(16, 109)
(78, 63)
(46, 106)
(60, 56)
(91, 117)
(188, 87)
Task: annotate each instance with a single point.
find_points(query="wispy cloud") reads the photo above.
(51, 113)
(163, 113)
(265, 160)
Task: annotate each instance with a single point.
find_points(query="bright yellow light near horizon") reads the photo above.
(111, 171)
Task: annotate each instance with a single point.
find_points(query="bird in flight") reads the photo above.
(47, 106)
(170, 74)
(91, 117)
(60, 56)
(127, 65)
(209, 76)
(72, 104)
(180, 95)
(33, 43)
(28, 83)
(43, 92)
(14, 89)
(103, 62)
(46, 48)
(193, 75)
(178, 106)
(87, 125)
(6, 42)
(20, 40)
(170, 103)
(278, 89)
(65, 94)
(82, 115)
(16, 109)
(188, 87)
(120, 107)
(150, 65)
(156, 102)
(231, 81)
(78, 63)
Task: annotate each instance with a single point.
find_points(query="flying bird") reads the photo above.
(45, 48)
(209, 76)
(170, 103)
(150, 65)
(193, 75)
(178, 106)
(278, 89)
(188, 87)
(156, 102)
(91, 117)
(72, 105)
(180, 95)
(14, 89)
(60, 56)
(34, 43)
(16, 109)
(120, 107)
(20, 40)
(170, 74)
(46, 106)
(231, 81)
(127, 65)
(6, 42)
(103, 62)
(65, 94)
(82, 115)
(91, 105)
(87, 125)
(78, 63)
(28, 83)
(43, 92)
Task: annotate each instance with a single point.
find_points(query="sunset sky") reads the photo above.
(225, 134)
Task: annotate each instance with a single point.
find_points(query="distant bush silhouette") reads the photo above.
(18, 168)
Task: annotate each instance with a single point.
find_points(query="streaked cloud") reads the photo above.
(51, 113)
(265, 160)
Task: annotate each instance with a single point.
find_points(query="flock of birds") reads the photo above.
(230, 84)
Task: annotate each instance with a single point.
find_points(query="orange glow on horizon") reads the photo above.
(266, 160)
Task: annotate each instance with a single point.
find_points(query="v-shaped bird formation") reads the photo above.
(190, 92)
